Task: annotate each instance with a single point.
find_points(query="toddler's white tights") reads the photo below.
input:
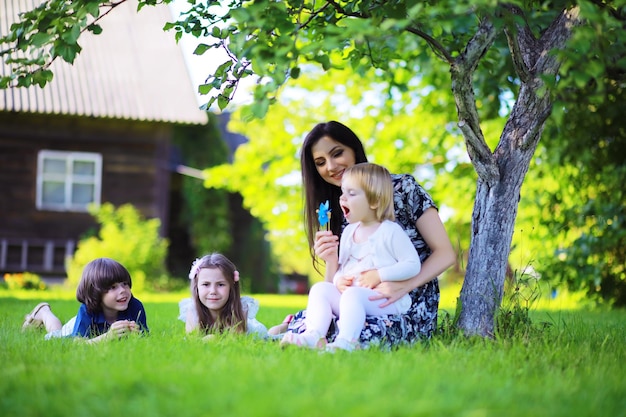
(351, 307)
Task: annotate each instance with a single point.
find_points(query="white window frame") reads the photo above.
(69, 178)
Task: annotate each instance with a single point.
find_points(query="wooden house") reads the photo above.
(100, 132)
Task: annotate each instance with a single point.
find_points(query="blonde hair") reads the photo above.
(375, 180)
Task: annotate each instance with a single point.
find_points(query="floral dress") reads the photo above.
(410, 202)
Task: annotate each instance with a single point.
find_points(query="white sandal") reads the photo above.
(30, 320)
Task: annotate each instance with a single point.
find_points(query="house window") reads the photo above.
(68, 181)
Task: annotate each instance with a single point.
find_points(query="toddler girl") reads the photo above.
(373, 248)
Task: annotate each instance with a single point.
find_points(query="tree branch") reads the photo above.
(311, 17)
(437, 47)
(532, 135)
(480, 154)
(511, 31)
(462, 70)
(617, 14)
(343, 11)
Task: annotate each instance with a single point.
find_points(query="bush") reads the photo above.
(129, 239)
(24, 281)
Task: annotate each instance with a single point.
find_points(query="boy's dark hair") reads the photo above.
(98, 277)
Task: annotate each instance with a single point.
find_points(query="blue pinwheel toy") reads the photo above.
(323, 214)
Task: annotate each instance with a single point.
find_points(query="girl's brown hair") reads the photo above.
(232, 316)
(98, 277)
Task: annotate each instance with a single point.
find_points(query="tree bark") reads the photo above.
(497, 196)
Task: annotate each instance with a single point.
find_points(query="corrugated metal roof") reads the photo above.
(132, 70)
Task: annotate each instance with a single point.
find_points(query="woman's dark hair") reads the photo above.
(316, 189)
(98, 277)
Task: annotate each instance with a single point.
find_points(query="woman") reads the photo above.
(327, 151)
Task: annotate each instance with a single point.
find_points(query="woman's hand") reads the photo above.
(391, 291)
(326, 246)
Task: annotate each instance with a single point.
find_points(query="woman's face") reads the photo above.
(331, 159)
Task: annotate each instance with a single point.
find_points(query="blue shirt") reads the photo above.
(92, 325)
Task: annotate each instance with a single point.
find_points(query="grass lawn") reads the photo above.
(575, 367)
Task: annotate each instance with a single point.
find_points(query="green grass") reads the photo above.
(575, 367)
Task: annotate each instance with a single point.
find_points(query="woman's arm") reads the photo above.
(441, 258)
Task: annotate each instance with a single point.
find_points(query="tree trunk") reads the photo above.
(495, 210)
(501, 174)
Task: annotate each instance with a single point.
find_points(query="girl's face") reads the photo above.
(331, 159)
(116, 299)
(213, 290)
(354, 204)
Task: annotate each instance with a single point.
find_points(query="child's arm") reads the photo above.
(401, 249)
(117, 330)
(191, 321)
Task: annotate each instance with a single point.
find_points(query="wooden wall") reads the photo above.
(135, 158)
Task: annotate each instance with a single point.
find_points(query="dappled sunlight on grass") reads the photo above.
(448, 295)
(282, 300)
(53, 293)
(563, 300)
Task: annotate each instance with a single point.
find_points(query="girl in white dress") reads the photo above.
(216, 305)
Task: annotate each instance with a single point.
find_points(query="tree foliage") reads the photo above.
(585, 207)
(266, 170)
(510, 58)
(127, 237)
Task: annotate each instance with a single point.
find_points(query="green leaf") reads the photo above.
(40, 39)
(71, 36)
(42, 77)
(205, 89)
(222, 101)
(201, 49)
(208, 104)
(223, 69)
(95, 29)
(324, 60)
(65, 51)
